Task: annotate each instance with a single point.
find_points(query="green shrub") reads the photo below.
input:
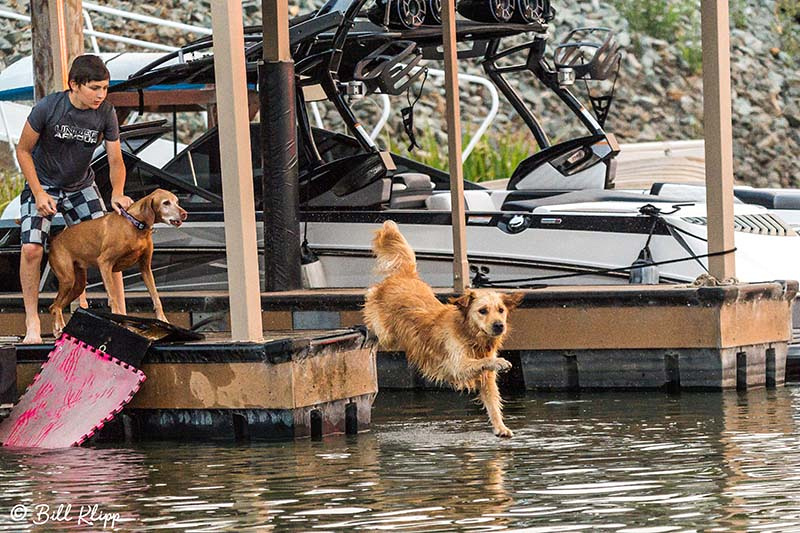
(691, 54)
(788, 18)
(491, 159)
(11, 183)
(738, 14)
(497, 158)
(662, 19)
(675, 21)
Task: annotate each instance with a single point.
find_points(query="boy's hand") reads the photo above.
(45, 204)
(120, 201)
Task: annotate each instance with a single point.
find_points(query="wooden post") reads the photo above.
(453, 112)
(237, 172)
(73, 24)
(57, 39)
(58, 44)
(276, 41)
(718, 136)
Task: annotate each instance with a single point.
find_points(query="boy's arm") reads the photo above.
(116, 167)
(45, 204)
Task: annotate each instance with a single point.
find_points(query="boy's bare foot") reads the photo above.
(33, 335)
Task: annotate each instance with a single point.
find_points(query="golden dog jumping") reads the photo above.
(454, 343)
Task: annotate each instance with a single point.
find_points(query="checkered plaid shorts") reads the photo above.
(76, 206)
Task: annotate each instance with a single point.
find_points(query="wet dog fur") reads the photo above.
(454, 343)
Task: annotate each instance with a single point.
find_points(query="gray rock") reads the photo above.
(647, 61)
(792, 115)
(656, 97)
(742, 106)
(15, 37)
(647, 102)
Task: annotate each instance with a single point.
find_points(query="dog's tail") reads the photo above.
(393, 251)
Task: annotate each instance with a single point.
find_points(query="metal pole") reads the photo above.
(460, 265)
(158, 21)
(276, 85)
(718, 136)
(237, 172)
(11, 144)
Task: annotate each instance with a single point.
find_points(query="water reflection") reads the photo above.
(56, 486)
(760, 433)
(620, 462)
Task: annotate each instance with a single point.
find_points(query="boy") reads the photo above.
(55, 151)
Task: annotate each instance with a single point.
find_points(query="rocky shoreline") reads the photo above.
(658, 93)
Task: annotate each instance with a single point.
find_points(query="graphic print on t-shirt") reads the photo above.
(67, 132)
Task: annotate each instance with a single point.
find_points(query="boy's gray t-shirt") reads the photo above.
(68, 137)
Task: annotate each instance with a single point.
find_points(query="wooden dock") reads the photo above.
(290, 385)
(604, 337)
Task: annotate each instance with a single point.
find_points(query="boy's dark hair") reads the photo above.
(88, 68)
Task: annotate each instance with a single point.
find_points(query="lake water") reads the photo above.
(639, 461)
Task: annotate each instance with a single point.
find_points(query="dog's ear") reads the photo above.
(148, 211)
(513, 299)
(464, 301)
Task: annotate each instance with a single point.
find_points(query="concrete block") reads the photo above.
(394, 372)
(751, 367)
(285, 388)
(349, 415)
(621, 369)
(707, 368)
(549, 370)
(742, 367)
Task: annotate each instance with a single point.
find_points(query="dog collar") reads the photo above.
(138, 224)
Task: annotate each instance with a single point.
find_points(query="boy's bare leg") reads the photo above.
(30, 263)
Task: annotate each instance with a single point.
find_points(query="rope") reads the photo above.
(408, 114)
(482, 281)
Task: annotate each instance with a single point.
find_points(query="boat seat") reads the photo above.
(372, 196)
(477, 200)
(769, 198)
(690, 193)
(593, 195)
(410, 190)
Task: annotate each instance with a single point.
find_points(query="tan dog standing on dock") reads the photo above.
(455, 343)
(112, 244)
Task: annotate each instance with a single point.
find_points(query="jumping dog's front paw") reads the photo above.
(498, 364)
(503, 432)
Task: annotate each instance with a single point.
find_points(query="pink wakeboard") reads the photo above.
(78, 389)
